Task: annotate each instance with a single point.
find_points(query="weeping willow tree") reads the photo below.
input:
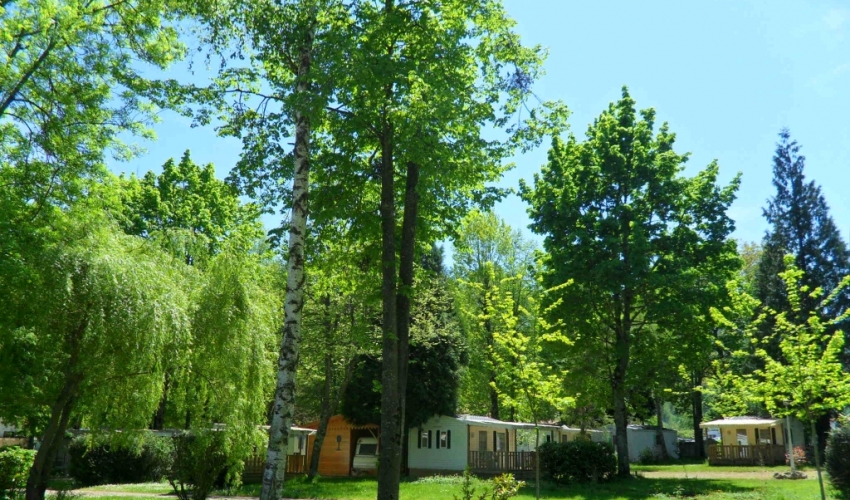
(88, 318)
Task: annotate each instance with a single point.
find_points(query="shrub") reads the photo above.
(648, 457)
(102, 461)
(577, 461)
(504, 487)
(800, 456)
(200, 464)
(15, 465)
(838, 460)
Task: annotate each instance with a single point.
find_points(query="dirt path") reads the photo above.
(715, 475)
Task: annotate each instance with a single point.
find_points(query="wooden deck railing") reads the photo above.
(502, 461)
(766, 454)
(253, 471)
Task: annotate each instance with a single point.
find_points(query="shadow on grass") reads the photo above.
(638, 488)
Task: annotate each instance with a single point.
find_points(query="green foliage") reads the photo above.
(577, 461)
(15, 464)
(504, 486)
(100, 460)
(838, 460)
(200, 463)
(648, 457)
(186, 209)
(800, 225)
(488, 255)
(805, 378)
(70, 85)
(635, 239)
(92, 312)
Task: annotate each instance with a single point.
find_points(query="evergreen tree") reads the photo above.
(800, 225)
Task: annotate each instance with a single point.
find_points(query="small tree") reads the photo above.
(805, 378)
(523, 379)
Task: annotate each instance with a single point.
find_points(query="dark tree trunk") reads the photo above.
(405, 292)
(621, 418)
(390, 445)
(659, 430)
(696, 401)
(51, 441)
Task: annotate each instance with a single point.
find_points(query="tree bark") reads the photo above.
(620, 413)
(817, 460)
(699, 442)
(284, 404)
(52, 439)
(659, 429)
(390, 449)
(405, 292)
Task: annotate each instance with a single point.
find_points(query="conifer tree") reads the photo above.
(800, 225)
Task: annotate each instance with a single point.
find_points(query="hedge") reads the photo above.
(577, 461)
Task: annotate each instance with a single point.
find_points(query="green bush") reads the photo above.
(838, 460)
(15, 466)
(105, 462)
(577, 461)
(200, 464)
(648, 457)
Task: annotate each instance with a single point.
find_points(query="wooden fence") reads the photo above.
(253, 472)
(763, 454)
(502, 461)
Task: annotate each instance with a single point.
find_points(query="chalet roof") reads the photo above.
(567, 428)
(636, 427)
(492, 422)
(295, 429)
(739, 421)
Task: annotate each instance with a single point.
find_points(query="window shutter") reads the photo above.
(495, 442)
(438, 439)
(419, 438)
(757, 436)
(429, 439)
(507, 440)
(449, 439)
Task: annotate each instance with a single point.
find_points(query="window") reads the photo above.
(762, 436)
(565, 438)
(368, 449)
(445, 439)
(425, 439)
(741, 437)
(657, 439)
(482, 441)
(501, 444)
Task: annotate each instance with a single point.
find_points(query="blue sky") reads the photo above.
(726, 75)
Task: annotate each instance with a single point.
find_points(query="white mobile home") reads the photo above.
(645, 437)
(489, 446)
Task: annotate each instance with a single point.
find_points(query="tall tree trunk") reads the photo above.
(696, 401)
(488, 331)
(659, 430)
(390, 449)
(284, 399)
(620, 413)
(404, 301)
(51, 441)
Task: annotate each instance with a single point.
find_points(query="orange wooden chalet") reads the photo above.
(340, 445)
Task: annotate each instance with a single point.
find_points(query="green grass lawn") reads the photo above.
(702, 466)
(446, 488)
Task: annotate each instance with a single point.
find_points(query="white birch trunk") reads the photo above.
(284, 400)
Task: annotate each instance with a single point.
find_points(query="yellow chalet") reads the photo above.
(751, 440)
